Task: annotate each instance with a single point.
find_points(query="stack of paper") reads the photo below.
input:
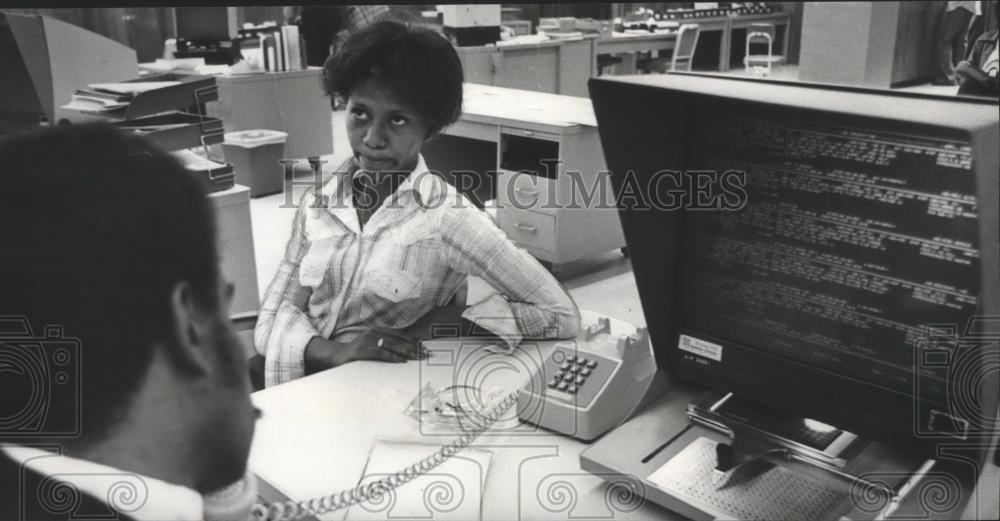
(196, 162)
(106, 97)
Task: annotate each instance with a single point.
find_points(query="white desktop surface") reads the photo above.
(316, 433)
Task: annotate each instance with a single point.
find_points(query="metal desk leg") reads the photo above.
(724, 43)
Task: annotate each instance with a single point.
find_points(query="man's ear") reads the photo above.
(190, 331)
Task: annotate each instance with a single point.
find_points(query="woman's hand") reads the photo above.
(396, 346)
(966, 71)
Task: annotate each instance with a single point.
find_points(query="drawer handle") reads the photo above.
(526, 227)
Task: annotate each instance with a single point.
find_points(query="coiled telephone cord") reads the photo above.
(292, 510)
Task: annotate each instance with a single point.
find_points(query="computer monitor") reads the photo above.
(813, 248)
(202, 23)
(45, 60)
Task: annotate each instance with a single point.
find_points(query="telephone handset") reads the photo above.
(291, 510)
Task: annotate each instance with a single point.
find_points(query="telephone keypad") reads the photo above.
(571, 373)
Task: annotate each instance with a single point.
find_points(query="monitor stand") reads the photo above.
(677, 461)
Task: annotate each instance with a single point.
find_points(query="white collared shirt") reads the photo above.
(140, 497)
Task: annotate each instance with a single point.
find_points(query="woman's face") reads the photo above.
(385, 133)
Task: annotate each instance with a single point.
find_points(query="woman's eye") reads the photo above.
(359, 114)
(398, 121)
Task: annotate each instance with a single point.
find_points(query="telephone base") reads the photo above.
(587, 387)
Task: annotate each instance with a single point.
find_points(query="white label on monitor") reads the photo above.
(700, 347)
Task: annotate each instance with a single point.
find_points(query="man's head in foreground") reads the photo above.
(112, 240)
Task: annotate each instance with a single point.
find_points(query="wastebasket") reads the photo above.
(254, 155)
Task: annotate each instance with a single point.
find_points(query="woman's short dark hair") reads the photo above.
(418, 65)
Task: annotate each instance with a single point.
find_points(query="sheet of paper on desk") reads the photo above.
(453, 490)
(133, 87)
(91, 104)
(196, 162)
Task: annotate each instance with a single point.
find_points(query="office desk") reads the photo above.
(316, 433)
(289, 101)
(725, 25)
(557, 67)
(631, 43)
(236, 252)
(503, 132)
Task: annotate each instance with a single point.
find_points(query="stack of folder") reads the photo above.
(280, 48)
(109, 97)
(160, 109)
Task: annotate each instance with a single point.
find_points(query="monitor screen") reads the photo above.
(856, 235)
(203, 23)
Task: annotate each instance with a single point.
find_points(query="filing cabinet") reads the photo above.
(552, 192)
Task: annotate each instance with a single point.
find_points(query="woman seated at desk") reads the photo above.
(375, 258)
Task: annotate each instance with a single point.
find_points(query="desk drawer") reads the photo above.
(474, 130)
(519, 190)
(528, 228)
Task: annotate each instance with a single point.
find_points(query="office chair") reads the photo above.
(687, 42)
(760, 34)
(683, 53)
(245, 323)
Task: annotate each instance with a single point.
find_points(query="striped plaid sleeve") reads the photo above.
(531, 303)
(283, 326)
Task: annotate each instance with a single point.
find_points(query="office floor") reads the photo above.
(603, 284)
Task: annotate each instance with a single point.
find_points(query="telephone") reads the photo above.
(590, 386)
